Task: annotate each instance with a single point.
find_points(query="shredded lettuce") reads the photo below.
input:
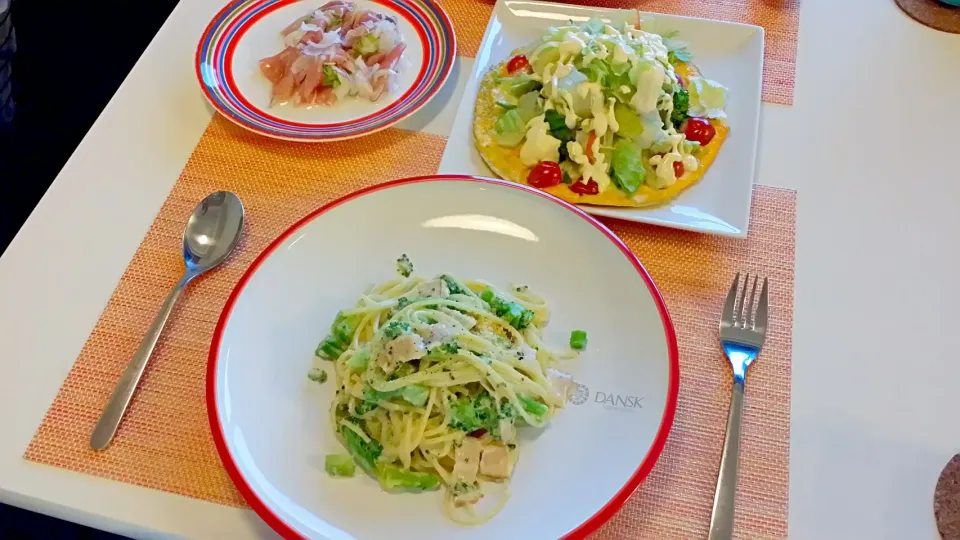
(630, 124)
(509, 129)
(594, 26)
(627, 163)
(519, 84)
(707, 98)
(529, 106)
(548, 53)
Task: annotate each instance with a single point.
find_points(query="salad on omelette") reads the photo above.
(599, 113)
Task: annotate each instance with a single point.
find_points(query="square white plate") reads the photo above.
(729, 53)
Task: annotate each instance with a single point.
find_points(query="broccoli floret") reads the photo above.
(681, 104)
(486, 409)
(462, 488)
(366, 406)
(403, 302)
(317, 375)
(463, 416)
(469, 415)
(404, 265)
(507, 411)
(512, 312)
(450, 347)
(360, 360)
(395, 328)
(455, 286)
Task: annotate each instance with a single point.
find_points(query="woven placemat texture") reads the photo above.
(165, 443)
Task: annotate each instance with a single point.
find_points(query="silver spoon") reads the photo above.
(211, 234)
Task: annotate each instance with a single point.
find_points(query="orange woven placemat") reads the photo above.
(165, 443)
(779, 18)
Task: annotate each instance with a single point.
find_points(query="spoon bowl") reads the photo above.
(212, 232)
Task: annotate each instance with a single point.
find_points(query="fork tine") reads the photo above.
(730, 303)
(743, 309)
(748, 321)
(761, 319)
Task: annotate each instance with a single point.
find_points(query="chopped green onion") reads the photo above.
(339, 465)
(392, 477)
(578, 340)
(329, 349)
(365, 453)
(532, 406)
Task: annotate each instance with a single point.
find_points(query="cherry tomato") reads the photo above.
(680, 81)
(518, 63)
(589, 149)
(678, 168)
(545, 174)
(698, 130)
(590, 188)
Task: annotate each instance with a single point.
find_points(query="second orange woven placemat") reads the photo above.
(164, 441)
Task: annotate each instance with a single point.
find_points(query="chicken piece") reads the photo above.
(283, 90)
(429, 289)
(276, 66)
(467, 460)
(496, 462)
(403, 348)
(562, 383)
(381, 83)
(391, 57)
(325, 96)
(312, 79)
(374, 58)
(441, 333)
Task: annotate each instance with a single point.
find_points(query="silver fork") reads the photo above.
(741, 334)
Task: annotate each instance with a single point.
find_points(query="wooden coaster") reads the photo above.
(933, 13)
(946, 501)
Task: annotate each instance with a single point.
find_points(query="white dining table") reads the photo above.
(869, 144)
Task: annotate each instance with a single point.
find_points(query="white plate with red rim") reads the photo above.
(246, 31)
(271, 424)
(729, 53)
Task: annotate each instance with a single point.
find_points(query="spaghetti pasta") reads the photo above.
(433, 378)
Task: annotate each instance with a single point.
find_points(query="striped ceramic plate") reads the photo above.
(246, 31)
